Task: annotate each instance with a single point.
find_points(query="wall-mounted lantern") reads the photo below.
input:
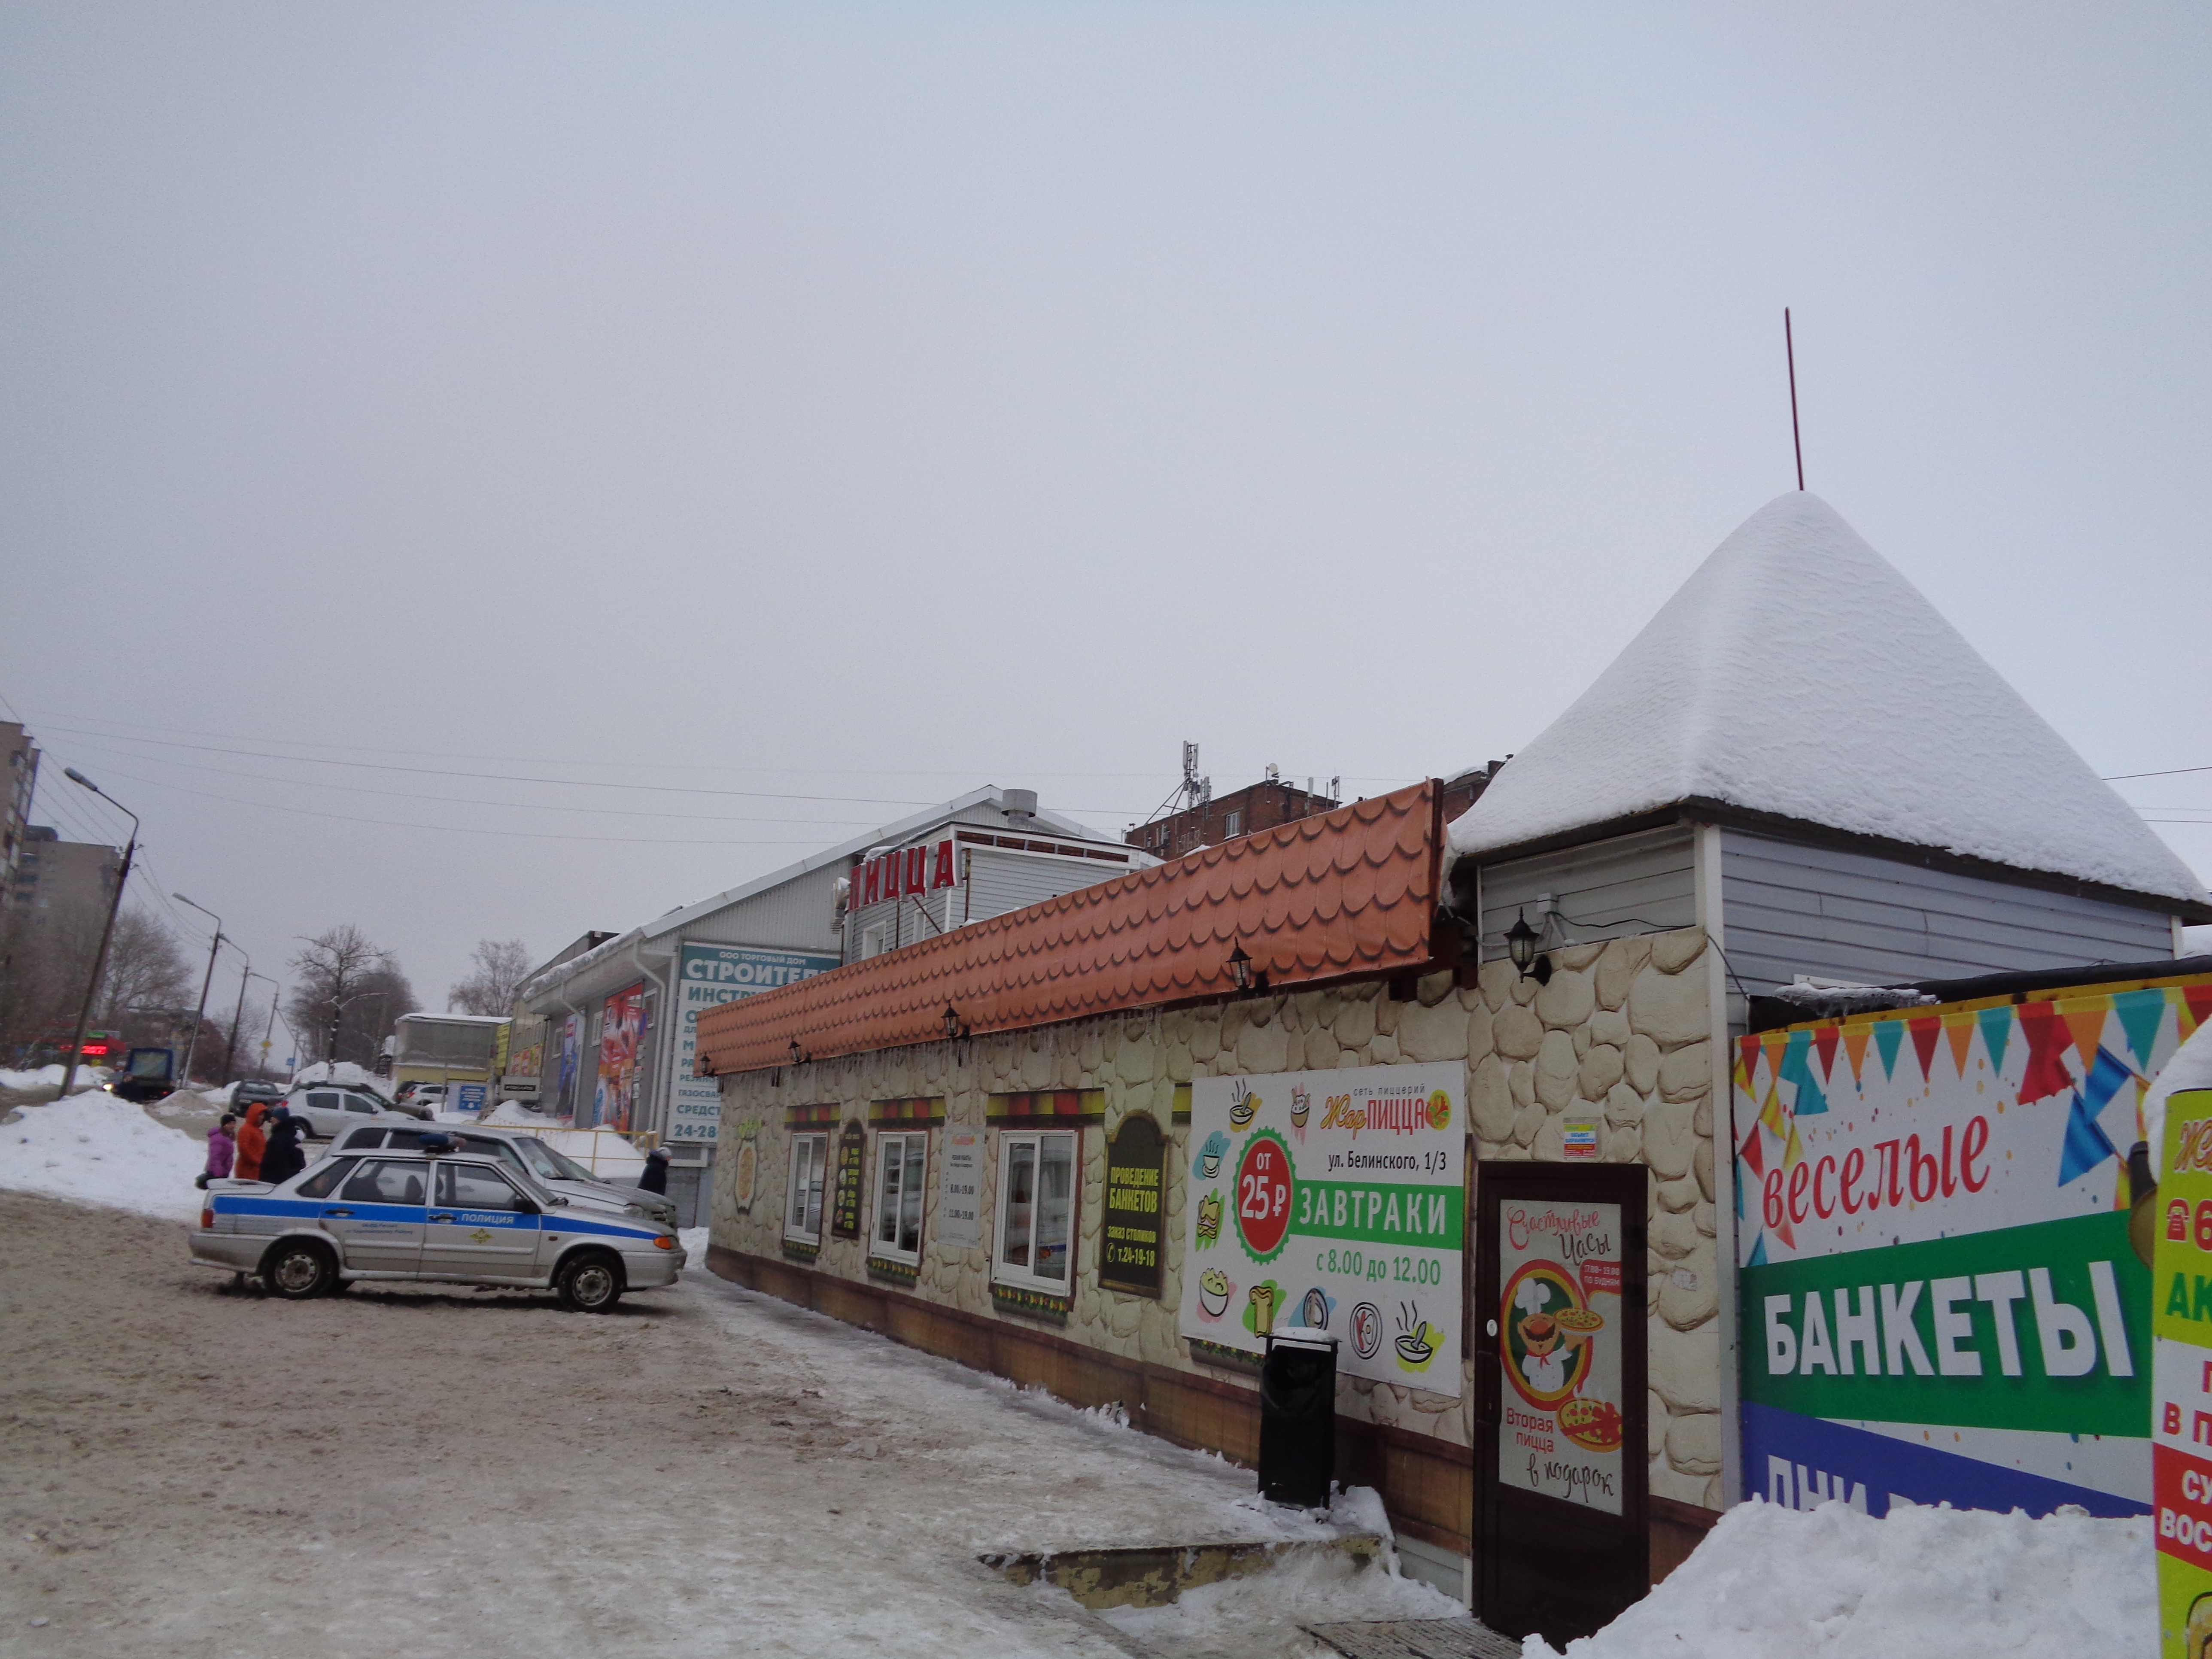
(1521, 943)
(799, 1056)
(954, 1028)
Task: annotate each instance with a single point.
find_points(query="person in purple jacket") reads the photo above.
(222, 1150)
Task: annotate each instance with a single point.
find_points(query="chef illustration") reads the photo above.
(1546, 1358)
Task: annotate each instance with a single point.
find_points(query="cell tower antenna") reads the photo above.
(1790, 351)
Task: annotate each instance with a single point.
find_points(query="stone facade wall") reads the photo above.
(1622, 1033)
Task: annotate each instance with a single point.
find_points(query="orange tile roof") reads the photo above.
(1348, 893)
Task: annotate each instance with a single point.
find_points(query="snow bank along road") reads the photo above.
(189, 1471)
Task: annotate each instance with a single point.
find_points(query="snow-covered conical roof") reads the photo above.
(1798, 673)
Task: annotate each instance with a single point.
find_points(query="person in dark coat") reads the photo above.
(283, 1159)
(655, 1178)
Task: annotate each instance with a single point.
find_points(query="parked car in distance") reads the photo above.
(551, 1169)
(331, 1109)
(244, 1095)
(440, 1213)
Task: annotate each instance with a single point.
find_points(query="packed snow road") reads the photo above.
(190, 1470)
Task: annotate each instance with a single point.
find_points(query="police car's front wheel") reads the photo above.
(299, 1270)
(590, 1284)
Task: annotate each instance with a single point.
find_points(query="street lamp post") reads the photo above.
(107, 934)
(192, 1039)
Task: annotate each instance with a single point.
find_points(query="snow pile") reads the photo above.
(1770, 1583)
(100, 1149)
(694, 1240)
(516, 1115)
(344, 1073)
(1829, 1000)
(50, 1076)
(605, 1152)
(1798, 672)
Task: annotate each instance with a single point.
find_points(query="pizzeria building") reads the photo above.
(1457, 1095)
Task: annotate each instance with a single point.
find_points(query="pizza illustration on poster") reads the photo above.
(1559, 1322)
(1336, 1201)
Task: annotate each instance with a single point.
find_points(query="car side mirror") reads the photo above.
(554, 1199)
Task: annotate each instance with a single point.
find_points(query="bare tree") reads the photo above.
(348, 995)
(146, 971)
(502, 966)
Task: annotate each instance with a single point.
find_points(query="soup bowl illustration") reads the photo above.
(1213, 1289)
(1416, 1347)
(1210, 1154)
(1242, 1109)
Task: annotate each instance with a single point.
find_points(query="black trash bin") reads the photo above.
(1298, 1418)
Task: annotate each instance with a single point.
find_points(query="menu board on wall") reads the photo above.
(845, 1182)
(960, 1188)
(1334, 1201)
(1130, 1249)
(1560, 1430)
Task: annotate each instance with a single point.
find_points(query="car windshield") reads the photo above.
(544, 1161)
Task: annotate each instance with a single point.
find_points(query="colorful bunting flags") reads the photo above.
(2141, 1013)
(1996, 1033)
(1809, 1100)
(1888, 1036)
(2085, 1023)
(2046, 1073)
(1824, 1044)
(1855, 1045)
(1959, 1028)
(1927, 1031)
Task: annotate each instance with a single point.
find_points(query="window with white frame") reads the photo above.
(902, 1161)
(1036, 1210)
(802, 1214)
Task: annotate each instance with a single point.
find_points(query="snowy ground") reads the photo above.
(1922, 1583)
(193, 1472)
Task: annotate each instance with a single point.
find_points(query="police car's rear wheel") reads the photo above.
(298, 1271)
(590, 1284)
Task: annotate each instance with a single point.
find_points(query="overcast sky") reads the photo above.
(840, 406)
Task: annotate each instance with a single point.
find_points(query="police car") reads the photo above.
(553, 1171)
(435, 1213)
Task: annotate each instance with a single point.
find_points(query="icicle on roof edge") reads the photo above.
(1798, 673)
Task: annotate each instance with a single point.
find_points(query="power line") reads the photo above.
(504, 777)
(478, 801)
(683, 765)
(2171, 772)
(456, 829)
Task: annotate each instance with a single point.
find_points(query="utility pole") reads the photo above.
(192, 1038)
(230, 1049)
(269, 1029)
(107, 934)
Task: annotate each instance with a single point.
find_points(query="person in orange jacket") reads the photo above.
(252, 1142)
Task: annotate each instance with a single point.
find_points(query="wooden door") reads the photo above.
(1562, 1538)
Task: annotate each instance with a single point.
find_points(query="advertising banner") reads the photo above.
(2181, 1386)
(1938, 1298)
(960, 1188)
(707, 976)
(1334, 1201)
(1559, 1343)
(564, 1101)
(1130, 1249)
(622, 1032)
